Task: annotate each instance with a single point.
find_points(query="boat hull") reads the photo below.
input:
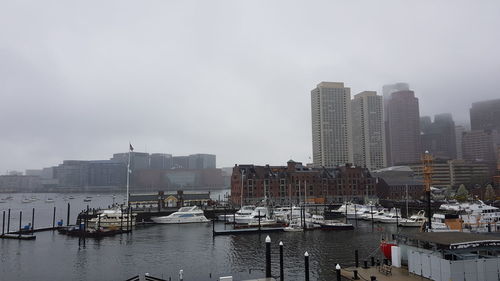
(167, 220)
(337, 226)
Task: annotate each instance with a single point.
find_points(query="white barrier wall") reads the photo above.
(434, 267)
(396, 256)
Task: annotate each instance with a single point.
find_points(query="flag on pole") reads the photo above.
(131, 148)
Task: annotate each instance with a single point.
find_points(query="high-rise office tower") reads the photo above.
(484, 115)
(331, 124)
(459, 130)
(403, 119)
(368, 133)
(387, 90)
(438, 137)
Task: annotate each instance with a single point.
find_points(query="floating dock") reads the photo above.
(17, 236)
(397, 274)
(248, 231)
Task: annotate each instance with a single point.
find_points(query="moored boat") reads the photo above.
(335, 225)
(414, 221)
(113, 218)
(191, 214)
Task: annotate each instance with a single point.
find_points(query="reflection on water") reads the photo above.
(163, 250)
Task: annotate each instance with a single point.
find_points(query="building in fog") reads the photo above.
(138, 160)
(387, 90)
(481, 146)
(97, 173)
(331, 124)
(484, 115)
(438, 137)
(459, 131)
(403, 120)
(160, 161)
(20, 183)
(180, 162)
(176, 179)
(201, 161)
(368, 133)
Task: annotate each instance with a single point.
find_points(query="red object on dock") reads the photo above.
(385, 248)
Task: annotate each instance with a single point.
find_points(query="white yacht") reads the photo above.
(394, 216)
(414, 221)
(286, 214)
(349, 210)
(243, 211)
(259, 212)
(379, 215)
(112, 218)
(191, 214)
(49, 200)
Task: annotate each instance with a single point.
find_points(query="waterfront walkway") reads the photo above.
(399, 274)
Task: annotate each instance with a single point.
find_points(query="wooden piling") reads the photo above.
(355, 216)
(20, 222)
(54, 218)
(33, 222)
(67, 218)
(8, 221)
(3, 223)
(371, 212)
(268, 257)
(282, 273)
(306, 261)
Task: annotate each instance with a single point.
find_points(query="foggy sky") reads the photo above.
(80, 79)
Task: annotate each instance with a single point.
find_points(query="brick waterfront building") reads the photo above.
(280, 185)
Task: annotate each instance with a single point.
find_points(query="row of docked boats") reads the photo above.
(376, 214)
(294, 217)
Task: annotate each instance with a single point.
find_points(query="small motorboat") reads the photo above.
(26, 200)
(49, 200)
(335, 225)
(87, 199)
(294, 226)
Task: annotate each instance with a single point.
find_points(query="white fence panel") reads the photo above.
(435, 267)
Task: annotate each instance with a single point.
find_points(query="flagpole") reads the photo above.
(128, 175)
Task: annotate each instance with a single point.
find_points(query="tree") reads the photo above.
(449, 193)
(462, 193)
(489, 193)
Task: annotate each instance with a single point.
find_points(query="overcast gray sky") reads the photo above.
(80, 79)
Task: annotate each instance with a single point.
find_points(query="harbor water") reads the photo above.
(163, 250)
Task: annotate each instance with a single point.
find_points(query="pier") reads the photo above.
(397, 274)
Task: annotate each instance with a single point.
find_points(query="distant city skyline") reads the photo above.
(81, 80)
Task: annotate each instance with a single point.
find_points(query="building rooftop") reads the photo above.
(454, 240)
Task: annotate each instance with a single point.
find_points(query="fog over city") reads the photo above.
(79, 80)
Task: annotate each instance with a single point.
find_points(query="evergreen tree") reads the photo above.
(462, 193)
(489, 193)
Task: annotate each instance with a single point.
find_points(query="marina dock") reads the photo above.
(397, 274)
(248, 231)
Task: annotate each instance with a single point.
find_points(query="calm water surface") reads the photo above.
(162, 250)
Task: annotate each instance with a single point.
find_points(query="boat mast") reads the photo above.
(241, 200)
(130, 149)
(406, 201)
